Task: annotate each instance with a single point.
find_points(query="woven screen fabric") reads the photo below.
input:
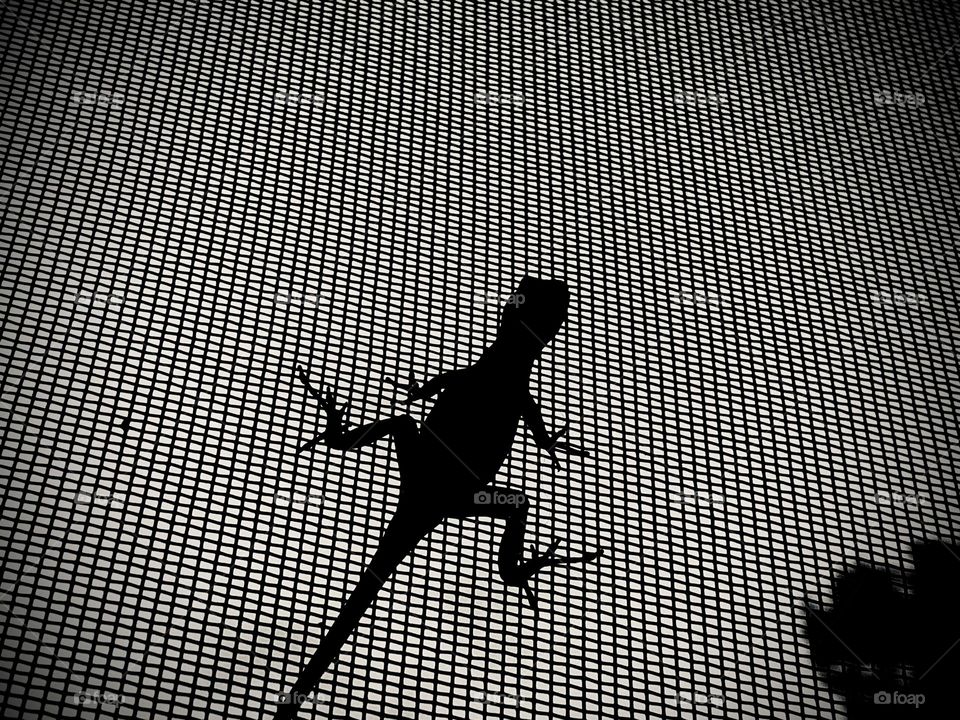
(754, 205)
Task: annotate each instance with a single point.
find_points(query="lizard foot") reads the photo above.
(527, 570)
(335, 416)
(412, 388)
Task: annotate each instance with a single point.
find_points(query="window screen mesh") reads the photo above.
(753, 206)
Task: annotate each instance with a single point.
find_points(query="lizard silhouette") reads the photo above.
(446, 470)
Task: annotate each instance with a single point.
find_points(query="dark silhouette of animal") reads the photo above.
(447, 466)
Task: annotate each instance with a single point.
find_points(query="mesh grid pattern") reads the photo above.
(754, 208)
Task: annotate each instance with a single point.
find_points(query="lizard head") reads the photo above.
(533, 314)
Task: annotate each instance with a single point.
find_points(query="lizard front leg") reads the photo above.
(402, 428)
(415, 391)
(550, 442)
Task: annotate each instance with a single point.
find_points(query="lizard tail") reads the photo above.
(394, 546)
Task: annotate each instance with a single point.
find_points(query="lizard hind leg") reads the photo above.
(526, 570)
(513, 506)
(520, 574)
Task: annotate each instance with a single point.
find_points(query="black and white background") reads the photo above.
(755, 207)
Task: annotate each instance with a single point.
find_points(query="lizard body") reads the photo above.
(447, 466)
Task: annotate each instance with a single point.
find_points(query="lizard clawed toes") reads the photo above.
(538, 562)
(335, 416)
(531, 597)
(527, 570)
(412, 388)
